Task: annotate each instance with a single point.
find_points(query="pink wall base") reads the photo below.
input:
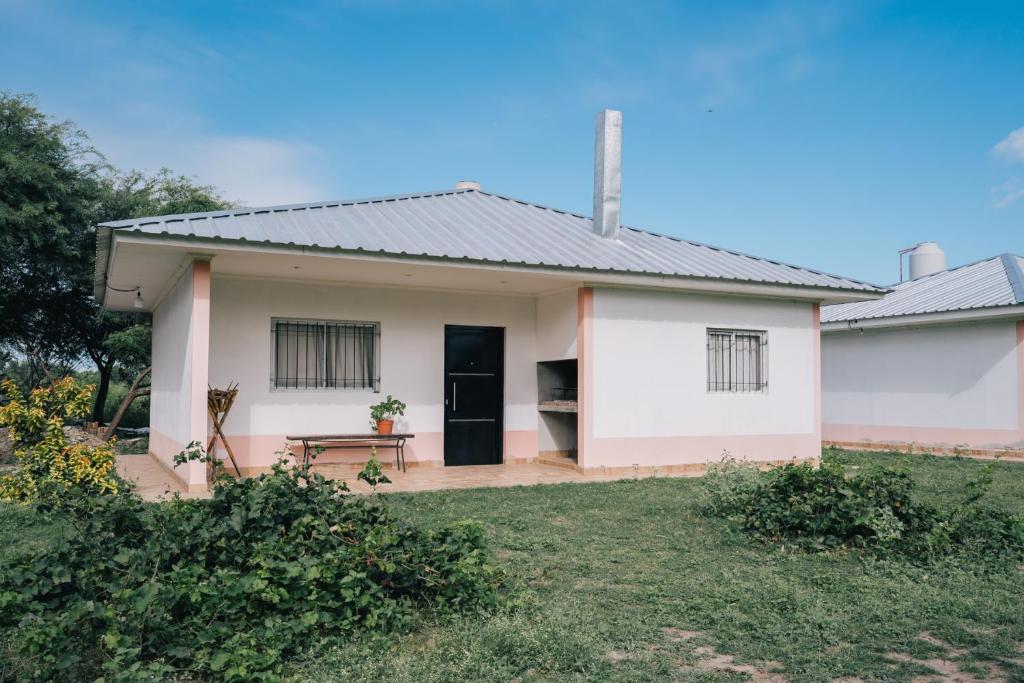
(426, 447)
(684, 450)
(924, 436)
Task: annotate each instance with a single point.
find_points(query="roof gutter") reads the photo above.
(598, 276)
(974, 315)
(104, 258)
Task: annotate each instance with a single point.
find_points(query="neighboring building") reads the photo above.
(936, 364)
(484, 314)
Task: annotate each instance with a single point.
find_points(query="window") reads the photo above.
(319, 354)
(737, 361)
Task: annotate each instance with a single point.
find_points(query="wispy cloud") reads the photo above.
(1011, 148)
(1008, 193)
(780, 39)
(158, 119)
(252, 171)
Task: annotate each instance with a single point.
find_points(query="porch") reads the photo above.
(154, 482)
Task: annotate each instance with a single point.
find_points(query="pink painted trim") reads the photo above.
(198, 420)
(924, 436)
(816, 361)
(261, 450)
(163, 448)
(685, 450)
(520, 445)
(1020, 377)
(584, 372)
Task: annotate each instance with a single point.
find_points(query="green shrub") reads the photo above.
(728, 486)
(826, 507)
(228, 588)
(47, 463)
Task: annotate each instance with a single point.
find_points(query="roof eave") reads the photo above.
(970, 315)
(820, 293)
(104, 256)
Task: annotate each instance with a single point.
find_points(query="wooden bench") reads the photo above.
(317, 442)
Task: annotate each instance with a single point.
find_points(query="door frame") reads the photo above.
(499, 446)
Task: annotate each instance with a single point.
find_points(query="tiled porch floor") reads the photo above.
(154, 482)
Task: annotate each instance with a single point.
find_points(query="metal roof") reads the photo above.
(993, 282)
(472, 225)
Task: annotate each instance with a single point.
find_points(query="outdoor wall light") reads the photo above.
(138, 302)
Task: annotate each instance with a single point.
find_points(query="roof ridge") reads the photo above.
(1015, 274)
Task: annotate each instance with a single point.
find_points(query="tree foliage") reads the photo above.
(54, 189)
(48, 192)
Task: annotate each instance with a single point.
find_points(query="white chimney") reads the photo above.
(467, 185)
(608, 174)
(926, 259)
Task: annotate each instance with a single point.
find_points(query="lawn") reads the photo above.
(626, 581)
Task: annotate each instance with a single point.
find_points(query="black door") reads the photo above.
(474, 377)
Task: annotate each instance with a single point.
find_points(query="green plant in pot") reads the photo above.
(382, 415)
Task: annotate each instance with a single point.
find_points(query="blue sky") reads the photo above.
(837, 132)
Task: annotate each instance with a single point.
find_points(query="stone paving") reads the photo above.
(154, 482)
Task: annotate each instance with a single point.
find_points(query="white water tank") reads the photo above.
(926, 259)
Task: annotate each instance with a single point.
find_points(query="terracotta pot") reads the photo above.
(385, 426)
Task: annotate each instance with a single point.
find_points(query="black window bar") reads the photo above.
(737, 361)
(316, 354)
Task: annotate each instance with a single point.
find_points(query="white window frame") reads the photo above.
(374, 379)
(728, 381)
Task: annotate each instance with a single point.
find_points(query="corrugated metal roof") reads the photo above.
(995, 281)
(479, 226)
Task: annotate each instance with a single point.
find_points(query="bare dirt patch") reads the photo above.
(945, 669)
(711, 661)
(678, 635)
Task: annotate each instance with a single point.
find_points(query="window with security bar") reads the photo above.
(322, 354)
(737, 361)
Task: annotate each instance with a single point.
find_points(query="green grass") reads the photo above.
(599, 574)
(602, 571)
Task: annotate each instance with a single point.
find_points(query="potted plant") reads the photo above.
(382, 415)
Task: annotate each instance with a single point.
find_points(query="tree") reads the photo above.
(112, 338)
(48, 192)
(54, 189)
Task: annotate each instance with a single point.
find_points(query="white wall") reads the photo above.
(412, 347)
(961, 377)
(557, 319)
(649, 367)
(172, 371)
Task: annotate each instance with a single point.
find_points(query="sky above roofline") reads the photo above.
(825, 134)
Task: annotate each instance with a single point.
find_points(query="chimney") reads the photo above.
(608, 174)
(467, 185)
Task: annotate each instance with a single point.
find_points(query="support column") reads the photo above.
(816, 360)
(199, 346)
(1020, 379)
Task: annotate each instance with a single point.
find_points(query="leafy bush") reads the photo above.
(728, 485)
(228, 588)
(48, 465)
(826, 507)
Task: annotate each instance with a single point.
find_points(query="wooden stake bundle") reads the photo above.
(219, 402)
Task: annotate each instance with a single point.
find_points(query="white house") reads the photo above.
(481, 312)
(938, 363)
